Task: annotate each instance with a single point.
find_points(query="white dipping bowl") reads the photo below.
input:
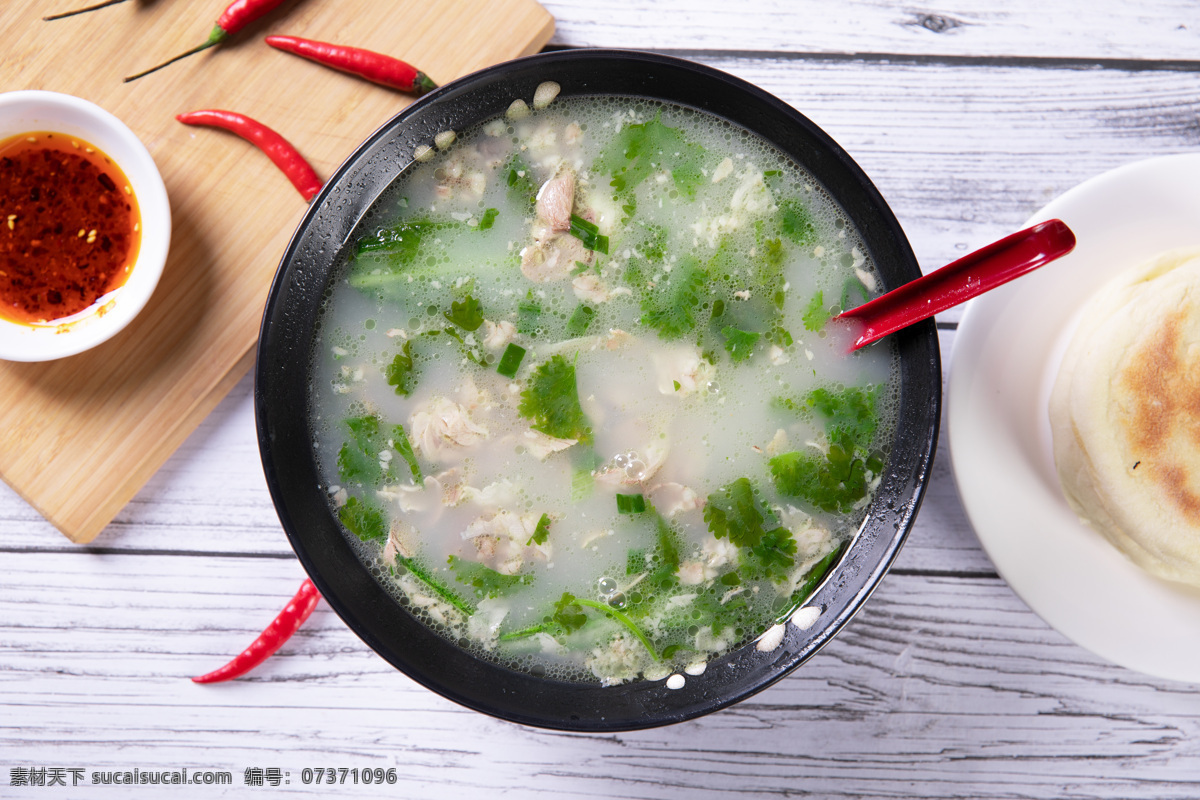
(32, 111)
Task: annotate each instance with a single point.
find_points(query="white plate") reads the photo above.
(1006, 355)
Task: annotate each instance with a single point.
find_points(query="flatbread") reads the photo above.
(1125, 415)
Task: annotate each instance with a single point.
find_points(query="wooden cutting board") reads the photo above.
(80, 436)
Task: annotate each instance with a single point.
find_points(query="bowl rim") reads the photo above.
(30, 110)
(433, 661)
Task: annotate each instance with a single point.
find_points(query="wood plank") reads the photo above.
(79, 436)
(1075, 29)
(941, 687)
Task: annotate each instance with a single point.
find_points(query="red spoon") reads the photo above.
(981, 271)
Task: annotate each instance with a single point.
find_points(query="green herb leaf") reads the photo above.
(405, 449)
(521, 188)
(582, 485)
(510, 362)
(487, 582)
(815, 313)
(630, 504)
(399, 373)
(580, 319)
(849, 415)
(815, 575)
(466, 313)
(640, 150)
(568, 614)
(363, 520)
(774, 556)
(635, 560)
(672, 306)
(551, 400)
(529, 312)
(795, 222)
(833, 482)
(739, 344)
(589, 234)
(488, 219)
(541, 532)
(358, 459)
(779, 336)
(736, 512)
(436, 586)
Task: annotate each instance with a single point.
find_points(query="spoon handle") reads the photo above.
(973, 274)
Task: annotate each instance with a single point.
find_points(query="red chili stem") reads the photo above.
(236, 16)
(375, 67)
(271, 639)
(83, 10)
(278, 149)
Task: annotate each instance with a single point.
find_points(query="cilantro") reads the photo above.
(405, 449)
(363, 520)
(816, 573)
(400, 372)
(849, 415)
(436, 586)
(541, 532)
(774, 556)
(640, 150)
(472, 352)
(568, 614)
(779, 336)
(795, 222)
(521, 188)
(739, 344)
(529, 312)
(510, 362)
(833, 482)
(672, 305)
(836, 479)
(853, 284)
(815, 313)
(635, 560)
(654, 248)
(578, 324)
(630, 504)
(580, 268)
(551, 400)
(736, 512)
(488, 218)
(466, 313)
(487, 582)
(358, 460)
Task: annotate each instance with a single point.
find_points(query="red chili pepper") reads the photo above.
(271, 639)
(83, 10)
(286, 157)
(375, 67)
(236, 16)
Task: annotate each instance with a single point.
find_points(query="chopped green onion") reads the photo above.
(488, 218)
(589, 234)
(578, 324)
(630, 504)
(582, 485)
(510, 362)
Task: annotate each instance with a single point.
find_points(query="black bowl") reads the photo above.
(286, 349)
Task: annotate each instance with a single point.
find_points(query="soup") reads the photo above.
(574, 398)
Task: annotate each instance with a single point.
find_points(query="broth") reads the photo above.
(573, 397)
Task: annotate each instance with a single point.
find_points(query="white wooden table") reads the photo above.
(969, 116)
